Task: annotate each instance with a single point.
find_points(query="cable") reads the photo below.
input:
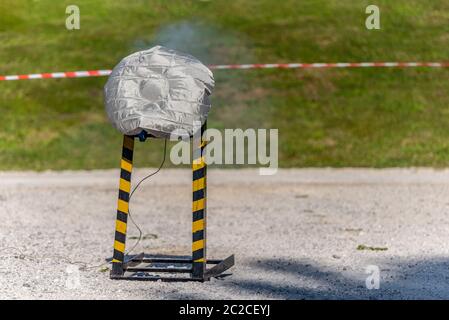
(84, 265)
(135, 189)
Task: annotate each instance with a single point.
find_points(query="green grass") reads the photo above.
(357, 117)
(362, 247)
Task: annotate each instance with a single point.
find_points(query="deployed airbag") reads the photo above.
(160, 91)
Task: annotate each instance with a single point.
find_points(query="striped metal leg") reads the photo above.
(126, 166)
(199, 208)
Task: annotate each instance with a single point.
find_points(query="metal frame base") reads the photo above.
(174, 265)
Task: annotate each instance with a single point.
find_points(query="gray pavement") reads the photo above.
(300, 234)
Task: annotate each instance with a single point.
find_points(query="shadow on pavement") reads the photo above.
(292, 279)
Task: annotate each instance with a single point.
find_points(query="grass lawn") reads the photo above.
(348, 117)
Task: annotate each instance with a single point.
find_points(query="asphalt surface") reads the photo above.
(300, 234)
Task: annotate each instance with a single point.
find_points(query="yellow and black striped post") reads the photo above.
(126, 166)
(199, 206)
(128, 270)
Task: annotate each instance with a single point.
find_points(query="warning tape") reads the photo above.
(70, 74)
(100, 73)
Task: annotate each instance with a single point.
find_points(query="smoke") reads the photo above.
(213, 45)
(210, 44)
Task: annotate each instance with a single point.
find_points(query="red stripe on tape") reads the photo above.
(98, 73)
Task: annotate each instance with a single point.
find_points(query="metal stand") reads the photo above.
(130, 268)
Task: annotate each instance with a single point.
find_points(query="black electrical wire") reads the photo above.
(135, 189)
(83, 265)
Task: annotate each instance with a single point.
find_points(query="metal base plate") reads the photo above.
(143, 267)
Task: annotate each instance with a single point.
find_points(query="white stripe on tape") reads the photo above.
(316, 65)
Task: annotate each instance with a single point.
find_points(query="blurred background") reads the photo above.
(332, 117)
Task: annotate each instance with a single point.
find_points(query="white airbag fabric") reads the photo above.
(159, 90)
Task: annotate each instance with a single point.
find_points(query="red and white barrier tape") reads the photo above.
(99, 73)
(73, 74)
